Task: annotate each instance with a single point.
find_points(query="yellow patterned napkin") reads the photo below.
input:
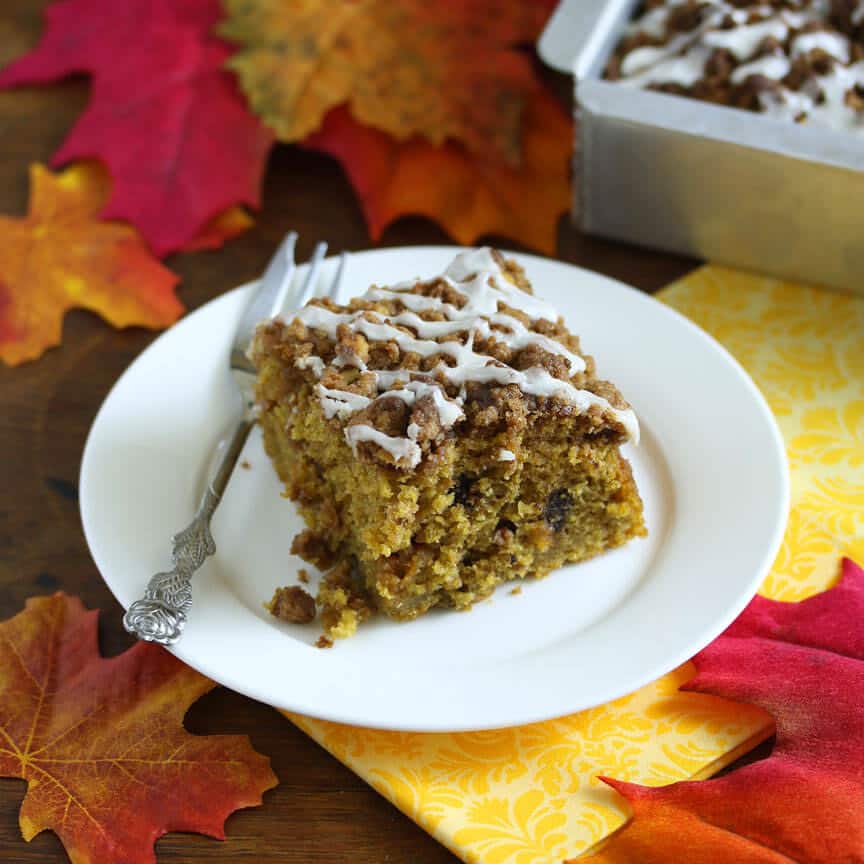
(529, 795)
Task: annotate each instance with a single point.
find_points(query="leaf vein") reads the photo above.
(72, 799)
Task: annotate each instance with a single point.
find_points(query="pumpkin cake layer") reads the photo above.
(441, 437)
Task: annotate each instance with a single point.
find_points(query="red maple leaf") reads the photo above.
(101, 744)
(164, 115)
(804, 664)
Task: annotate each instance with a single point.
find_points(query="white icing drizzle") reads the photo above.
(506, 455)
(652, 23)
(481, 304)
(472, 262)
(344, 402)
(772, 66)
(682, 59)
(833, 111)
(517, 336)
(316, 364)
(646, 64)
(341, 402)
(476, 276)
(835, 44)
(538, 382)
(822, 100)
(744, 41)
(449, 410)
(789, 105)
(659, 68)
(403, 450)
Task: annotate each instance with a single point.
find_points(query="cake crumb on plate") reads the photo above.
(292, 604)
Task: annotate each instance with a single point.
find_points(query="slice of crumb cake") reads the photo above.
(441, 437)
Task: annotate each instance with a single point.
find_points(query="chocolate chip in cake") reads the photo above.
(462, 490)
(558, 505)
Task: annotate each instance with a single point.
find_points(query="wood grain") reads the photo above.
(320, 812)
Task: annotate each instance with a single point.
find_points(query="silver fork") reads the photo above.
(161, 614)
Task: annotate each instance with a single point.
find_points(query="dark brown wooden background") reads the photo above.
(320, 812)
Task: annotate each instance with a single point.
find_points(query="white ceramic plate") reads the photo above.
(711, 469)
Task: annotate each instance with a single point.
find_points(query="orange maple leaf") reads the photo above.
(220, 229)
(101, 744)
(61, 255)
(468, 196)
(407, 67)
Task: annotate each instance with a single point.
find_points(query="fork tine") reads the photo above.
(281, 268)
(308, 288)
(289, 244)
(333, 290)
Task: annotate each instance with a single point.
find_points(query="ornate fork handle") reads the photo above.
(160, 615)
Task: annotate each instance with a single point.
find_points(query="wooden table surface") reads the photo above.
(320, 811)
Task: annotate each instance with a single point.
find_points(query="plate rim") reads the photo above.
(527, 716)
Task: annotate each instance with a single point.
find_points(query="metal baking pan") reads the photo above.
(718, 183)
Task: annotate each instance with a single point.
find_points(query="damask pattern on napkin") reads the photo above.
(804, 347)
(529, 795)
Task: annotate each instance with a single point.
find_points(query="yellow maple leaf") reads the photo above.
(61, 256)
(406, 67)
